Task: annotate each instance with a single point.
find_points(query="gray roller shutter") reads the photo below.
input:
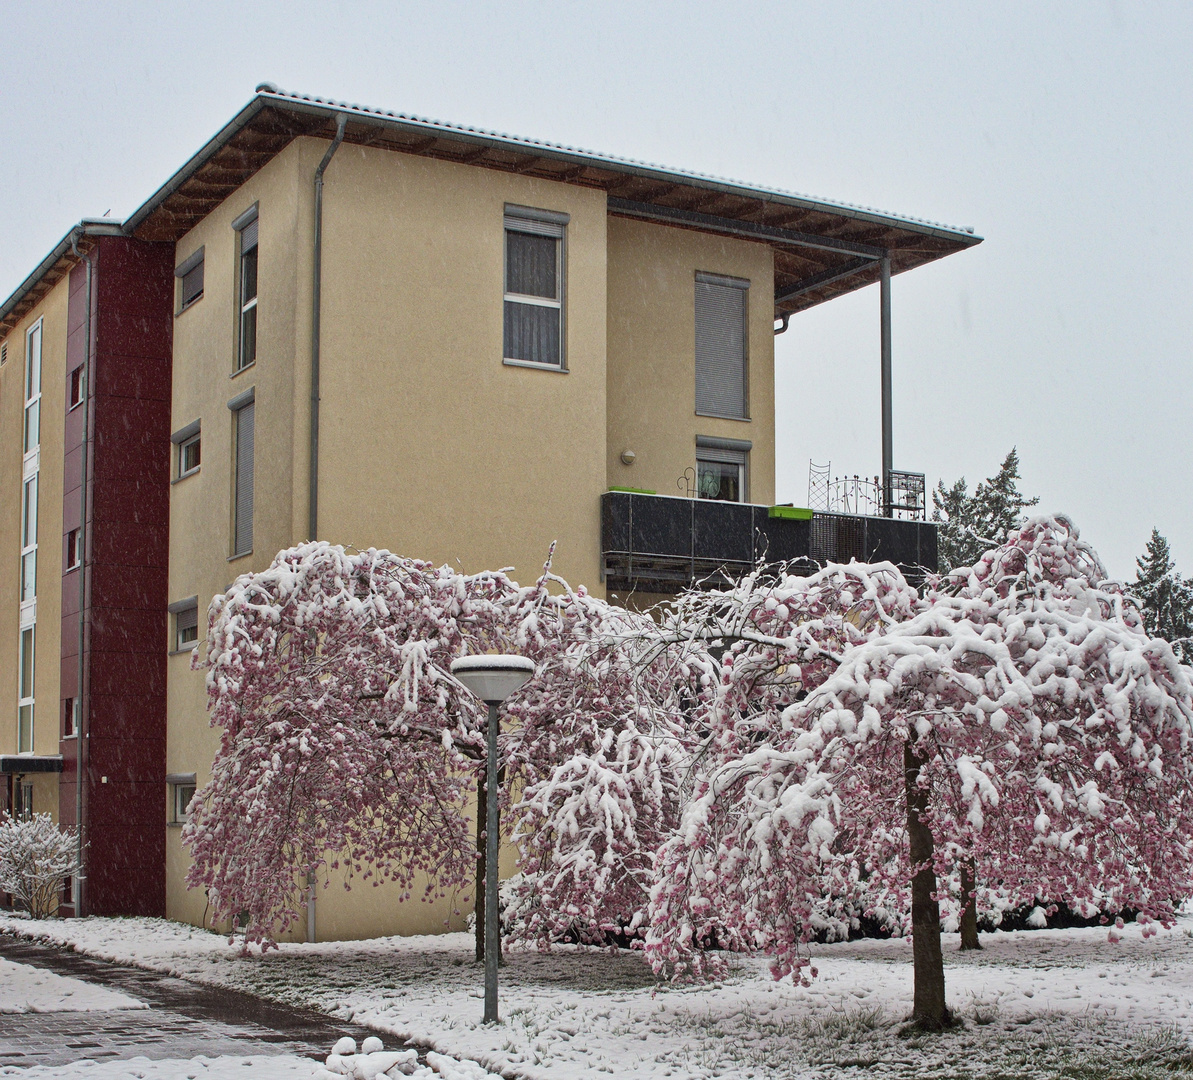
(244, 479)
(721, 346)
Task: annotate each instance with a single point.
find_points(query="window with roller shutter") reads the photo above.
(243, 416)
(722, 305)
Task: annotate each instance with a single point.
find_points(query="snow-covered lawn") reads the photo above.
(1034, 1004)
(30, 989)
(272, 1067)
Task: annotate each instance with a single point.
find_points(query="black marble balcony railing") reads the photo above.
(661, 544)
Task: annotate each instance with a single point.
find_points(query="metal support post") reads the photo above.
(492, 836)
(887, 438)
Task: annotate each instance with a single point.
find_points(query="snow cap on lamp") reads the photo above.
(492, 678)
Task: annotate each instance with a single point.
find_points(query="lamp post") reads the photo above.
(492, 679)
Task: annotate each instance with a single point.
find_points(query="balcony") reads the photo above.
(662, 543)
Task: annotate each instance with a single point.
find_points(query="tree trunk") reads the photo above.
(929, 1009)
(482, 819)
(969, 906)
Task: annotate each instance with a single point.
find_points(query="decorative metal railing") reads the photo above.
(903, 498)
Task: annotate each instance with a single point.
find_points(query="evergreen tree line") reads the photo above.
(969, 524)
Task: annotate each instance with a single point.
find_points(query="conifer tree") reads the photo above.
(1165, 599)
(969, 524)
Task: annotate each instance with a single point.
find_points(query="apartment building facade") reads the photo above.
(380, 331)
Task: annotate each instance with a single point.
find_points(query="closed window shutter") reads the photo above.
(192, 285)
(720, 349)
(188, 619)
(244, 479)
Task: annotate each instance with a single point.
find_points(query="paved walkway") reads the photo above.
(183, 1020)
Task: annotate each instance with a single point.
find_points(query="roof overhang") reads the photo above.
(53, 268)
(822, 249)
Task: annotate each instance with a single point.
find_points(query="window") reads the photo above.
(721, 468)
(188, 456)
(70, 717)
(24, 800)
(76, 387)
(3, 354)
(243, 409)
(186, 623)
(25, 674)
(190, 280)
(182, 791)
(721, 310)
(74, 549)
(534, 287)
(247, 344)
(29, 540)
(189, 447)
(33, 389)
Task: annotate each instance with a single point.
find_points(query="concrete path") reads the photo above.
(183, 1020)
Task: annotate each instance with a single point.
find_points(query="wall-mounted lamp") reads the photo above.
(628, 457)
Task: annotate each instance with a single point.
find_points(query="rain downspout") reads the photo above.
(80, 736)
(313, 504)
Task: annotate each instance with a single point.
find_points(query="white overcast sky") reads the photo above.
(1059, 131)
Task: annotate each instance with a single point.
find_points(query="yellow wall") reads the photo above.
(204, 381)
(651, 396)
(429, 445)
(47, 648)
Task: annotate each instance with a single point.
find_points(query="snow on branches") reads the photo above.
(347, 743)
(1016, 717)
(36, 858)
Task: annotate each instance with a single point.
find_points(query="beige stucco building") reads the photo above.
(378, 331)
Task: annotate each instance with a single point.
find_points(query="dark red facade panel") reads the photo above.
(127, 553)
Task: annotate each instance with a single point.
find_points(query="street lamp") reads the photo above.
(492, 679)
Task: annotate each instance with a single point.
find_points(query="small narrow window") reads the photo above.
(187, 627)
(181, 787)
(721, 353)
(74, 549)
(247, 344)
(186, 623)
(183, 794)
(190, 280)
(70, 717)
(3, 354)
(76, 387)
(534, 287)
(189, 456)
(242, 509)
